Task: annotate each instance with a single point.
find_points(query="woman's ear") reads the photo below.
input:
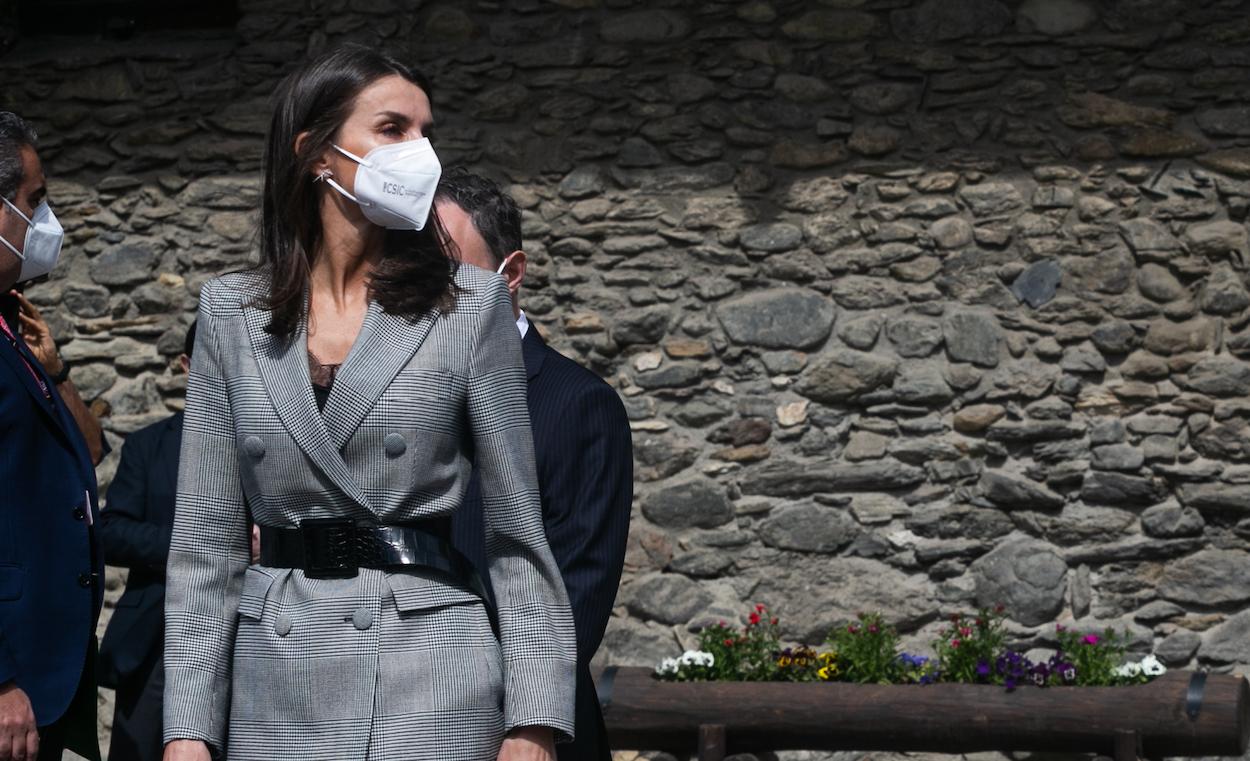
(321, 166)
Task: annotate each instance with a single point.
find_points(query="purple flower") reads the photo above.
(983, 668)
(1009, 683)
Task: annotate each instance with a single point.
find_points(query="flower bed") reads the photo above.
(970, 650)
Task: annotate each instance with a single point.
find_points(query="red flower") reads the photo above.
(999, 608)
(759, 608)
(774, 621)
(955, 643)
(755, 618)
(873, 629)
(852, 629)
(965, 631)
(729, 643)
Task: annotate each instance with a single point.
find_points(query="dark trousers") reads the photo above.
(137, 720)
(76, 729)
(591, 737)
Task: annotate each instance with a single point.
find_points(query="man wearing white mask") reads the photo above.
(51, 570)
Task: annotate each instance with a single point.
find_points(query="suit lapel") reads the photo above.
(17, 362)
(386, 343)
(171, 446)
(283, 367)
(533, 350)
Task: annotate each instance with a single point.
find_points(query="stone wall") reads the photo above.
(915, 306)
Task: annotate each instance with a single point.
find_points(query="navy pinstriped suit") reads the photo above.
(585, 464)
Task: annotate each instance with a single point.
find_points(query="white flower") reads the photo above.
(697, 658)
(667, 667)
(1151, 666)
(1129, 670)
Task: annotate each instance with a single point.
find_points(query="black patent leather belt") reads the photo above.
(337, 548)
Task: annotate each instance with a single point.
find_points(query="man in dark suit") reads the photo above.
(582, 449)
(135, 526)
(50, 560)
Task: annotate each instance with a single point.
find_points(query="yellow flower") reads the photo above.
(827, 673)
(783, 661)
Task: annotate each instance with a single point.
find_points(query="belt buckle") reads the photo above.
(328, 548)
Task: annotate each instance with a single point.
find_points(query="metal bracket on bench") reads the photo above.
(1193, 696)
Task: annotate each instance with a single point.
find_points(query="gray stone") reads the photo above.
(860, 292)
(222, 193)
(124, 265)
(989, 199)
(1115, 337)
(1178, 648)
(704, 564)
(670, 375)
(830, 26)
(865, 445)
(649, 26)
(1037, 284)
(840, 376)
(973, 337)
(808, 528)
(951, 232)
(692, 503)
(774, 237)
(1219, 376)
(1117, 457)
(690, 88)
(874, 140)
(1225, 122)
(1055, 18)
(1107, 488)
(1169, 521)
(882, 98)
(583, 182)
(1210, 577)
(1216, 498)
(667, 598)
(1229, 642)
(861, 332)
(629, 642)
(642, 326)
(802, 89)
(1158, 283)
(945, 20)
(1148, 239)
(914, 337)
(795, 478)
(86, 300)
(780, 318)
(1224, 292)
(1013, 492)
(637, 152)
(1082, 359)
(1219, 240)
(1166, 337)
(923, 384)
(1025, 575)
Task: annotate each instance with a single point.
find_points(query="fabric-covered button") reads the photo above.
(282, 626)
(362, 619)
(395, 445)
(80, 514)
(254, 447)
(84, 580)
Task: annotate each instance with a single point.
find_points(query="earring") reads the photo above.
(324, 174)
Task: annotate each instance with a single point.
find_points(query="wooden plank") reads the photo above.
(647, 714)
(1127, 746)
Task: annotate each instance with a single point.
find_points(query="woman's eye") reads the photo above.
(392, 129)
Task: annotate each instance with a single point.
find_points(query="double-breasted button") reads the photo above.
(84, 580)
(395, 445)
(282, 626)
(362, 619)
(79, 514)
(254, 447)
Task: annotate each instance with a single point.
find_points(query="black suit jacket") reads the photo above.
(135, 526)
(584, 455)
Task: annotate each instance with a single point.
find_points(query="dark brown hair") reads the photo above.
(494, 213)
(415, 273)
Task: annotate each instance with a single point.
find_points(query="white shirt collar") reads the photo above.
(522, 324)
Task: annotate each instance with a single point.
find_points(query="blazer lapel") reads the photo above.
(17, 362)
(386, 343)
(283, 367)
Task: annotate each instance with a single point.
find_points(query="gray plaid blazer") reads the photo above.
(264, 663)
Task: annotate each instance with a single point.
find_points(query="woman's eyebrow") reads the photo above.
(395, 116)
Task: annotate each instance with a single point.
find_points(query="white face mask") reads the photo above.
(42, 247)
(395, 183)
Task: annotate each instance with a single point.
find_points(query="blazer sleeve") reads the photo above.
(587, 497)
(129, 540)
(209, 549)
(535, 623)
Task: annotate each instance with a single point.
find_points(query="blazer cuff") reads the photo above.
(195, 707)
(541, 694)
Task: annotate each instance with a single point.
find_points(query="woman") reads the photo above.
(338, 397)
